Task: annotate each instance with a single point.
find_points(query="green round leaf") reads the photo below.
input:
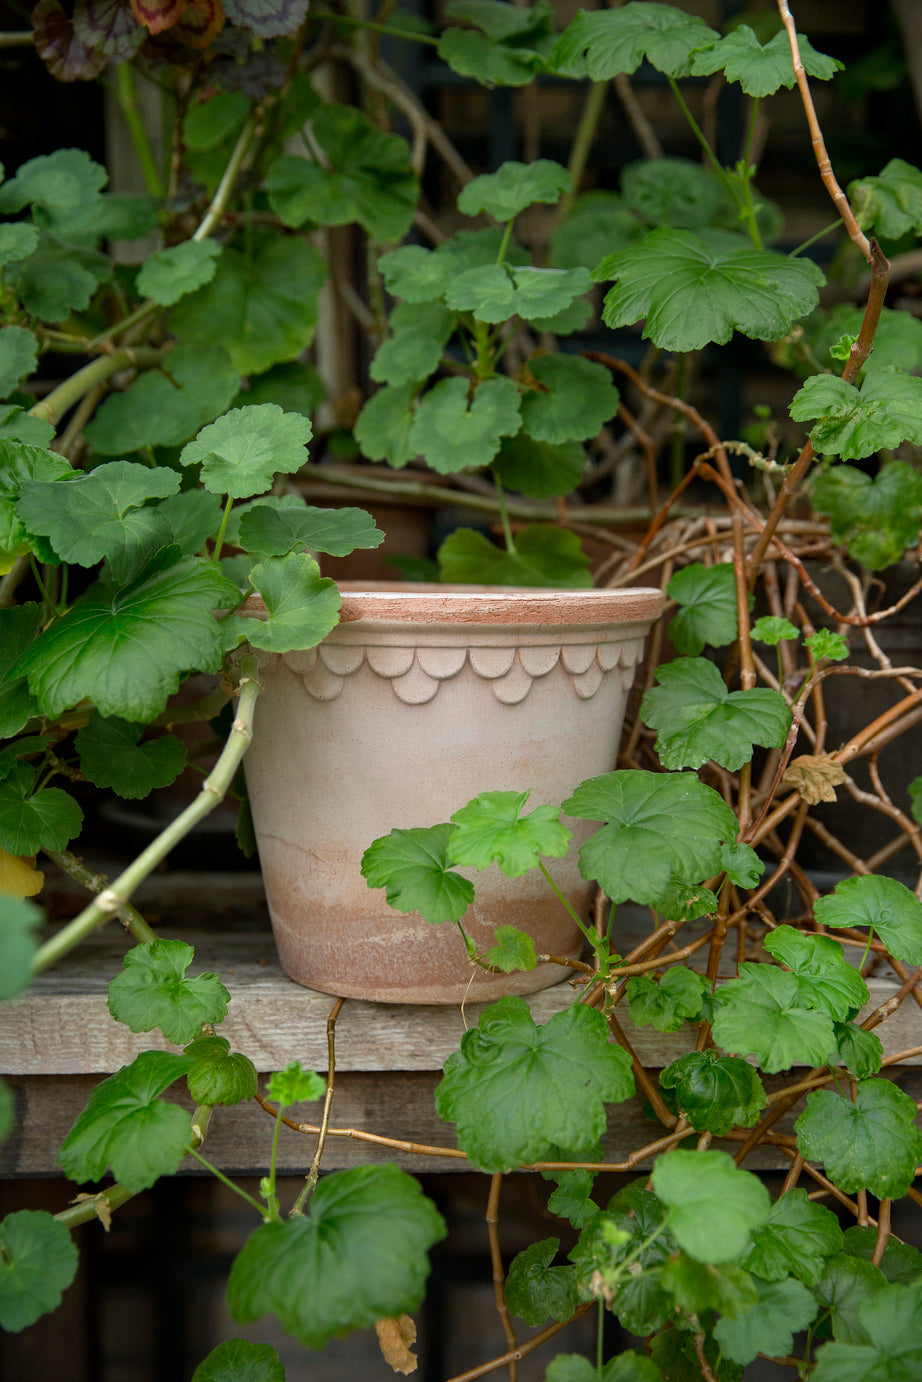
(238, 1360)
(153, 991)
(707, 599)
(491, 829)
(715, 1207)
(413, 866)
(241, 453)
(219, 1076)
(894, 912)
(512, 187)
(302, 606)
(869, 1144)
(167, 275)
(38, 1261)
(111, 756)
(575, 400)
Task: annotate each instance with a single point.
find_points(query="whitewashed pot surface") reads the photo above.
(420, 698)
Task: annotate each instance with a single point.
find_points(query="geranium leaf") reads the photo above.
(762, 1014)
(237, 1360)
(263, 305)
(536, 1291)
(843, 1288)
(520, 1093)
(890, 204)
(111, 756)
(102, 515)
(61, 187)
(715, 1207)
(772, 629)
(419, 330)
(894, 912)
(218, 1075)
(877, 518)
(495, 292)
(30, 821)
(696, 1288)
(859, 1051)
(17, 425)
(274, 532)
(716, 1093)
(127, 1127)
(707, 614)
(512, 187)
(17, 241)
(295, 386)
(897, 340)
(889, 1348)
(512, 949)
(383, 427)
(456, 432)
(543, 556)
(153, 991)
(267, 18)
(59, 278)
(492, 830)
(539, 469)
(827, 981)
(683, 901)
(575, 399)
(572, 1199)
(782, 1310)
(797, 1239)
(761, 69)
(416, 274)
(193, 516)
(19, 626)
(658, 825)
(871, 1144)
(241, 453)
(413, 866)
(901, 1262)
(699, 287)
(125, 648)
(357, 1257)
(108, 28)
(166, 406)
(697, 718)
(667, 1004)
(18, 357)
(293, 1085)
(675, 192)
(597, 224)
(38, 1261)
(743, 866)
(854, 423)
(613, 1236)
(302, 605)
(18, 920)
(510, 48)
(368, 177)
(602, 45)
(167, 275)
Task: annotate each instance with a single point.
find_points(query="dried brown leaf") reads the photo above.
(101, 1205)
(815, 776)
(395, 1338)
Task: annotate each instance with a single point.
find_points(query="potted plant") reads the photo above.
(700, 822)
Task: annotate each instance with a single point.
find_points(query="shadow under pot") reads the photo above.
(422, 697)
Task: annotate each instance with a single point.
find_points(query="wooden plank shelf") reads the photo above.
(58, 1039)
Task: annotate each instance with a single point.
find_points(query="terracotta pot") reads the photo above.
(420, 698)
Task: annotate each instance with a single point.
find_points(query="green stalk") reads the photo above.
(504, 515)
(135, 318)
(507, 236)
(352, 22)
(590, 936)
(219, 540)
(699, 135)
(73, 389)
(226, 1180)
(128, 103)
(129, 916)
(833, 225)
(110, 902)
(225, 188)
(582, 143)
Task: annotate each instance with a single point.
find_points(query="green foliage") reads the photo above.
(513, 187)
(535, 1290)
(768, 1014)
(859, 1051)
(706, 596)
(241, 453)
(520, 1093)
(218, 1075)
(238, 1360)
(357, 1257)
(38, 1261)
(877, 517)
(796, 1240)
(827, 981)
(572, 1199)
(659, 826)
(768, 1325)
(112, 756)
(266, 530)
(295, 1086)
(890, 204)
(827, 643)
(419, 330)
(715, 1093)
(697, 1288)
(695, 287)
(697, 718)
(301, 605)
(714, 1206)
(509, 48)
(675, 999)
(170, 274)
(166, 406)
(761, 69)
(901, 1262)
(543, 556)
(18, 920)
(18, 356)
(127, 1127)
(32, 819)
(882, 903)
(491, 829)
(854, 423)
(575, 400)
(539, 469)
(603, 44)
(153, 991)
(889, 1349)
(844, 1286)
(456, 432)
(512, 949)
(414, 868)
(869, 1144)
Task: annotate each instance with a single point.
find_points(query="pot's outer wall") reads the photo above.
(397, 722)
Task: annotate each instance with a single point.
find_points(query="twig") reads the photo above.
(499, 1279)
(313, 1174)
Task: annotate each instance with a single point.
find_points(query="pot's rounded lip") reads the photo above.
(388, 601)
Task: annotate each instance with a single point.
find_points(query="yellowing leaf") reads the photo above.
(815, 776)
(19, 877)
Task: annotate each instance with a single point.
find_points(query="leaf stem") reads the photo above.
(590, 936)
(225, 188)
(129, 916)
(219, 540)
(111, 901)
(226, 1180)
(53, 407)
(504, 514)
(833, 225)
(352, 22)
(712, 158)
(313, 1174)
(127, 97)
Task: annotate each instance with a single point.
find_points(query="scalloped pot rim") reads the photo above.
(383, 602)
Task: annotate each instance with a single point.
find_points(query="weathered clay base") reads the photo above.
(399, 718)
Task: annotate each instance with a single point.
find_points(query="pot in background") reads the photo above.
(420, 698)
